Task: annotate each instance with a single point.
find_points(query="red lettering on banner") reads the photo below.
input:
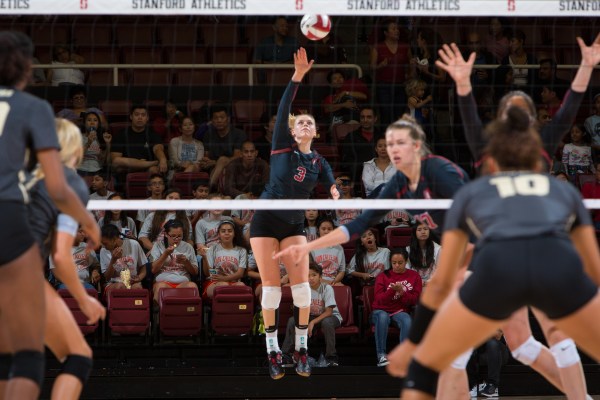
(83, 4)
(511, 5)
(299, 5)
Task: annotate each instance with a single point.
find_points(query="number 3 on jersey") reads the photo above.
(4, 110)
(524, 185)
(299, 177)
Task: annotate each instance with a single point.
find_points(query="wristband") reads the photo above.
(421, 321)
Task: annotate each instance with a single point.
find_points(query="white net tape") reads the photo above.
(308, 204)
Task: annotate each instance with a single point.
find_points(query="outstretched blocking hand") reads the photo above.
(590, 55)
(297, 252)
(301, 64)
(452, 61)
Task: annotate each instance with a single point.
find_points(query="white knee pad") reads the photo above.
(461, 361)
(528, 352)
(301, 295)
(271, 297)
(565, 353)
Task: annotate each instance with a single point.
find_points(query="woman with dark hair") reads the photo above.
(62, 54)
(119, 219)
(397, 291)
(96, 145)
(121, 260)
(522, 77)
(530, 229)
(369, 260)
(153, 227)
(423, 252)
(28, 129)
(342, 104)
(498, 40)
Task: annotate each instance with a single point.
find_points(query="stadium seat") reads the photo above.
(79, 316)
(273, 77)
(349, 250)
(194, 77)
(116, 110)
(180, 311)
(582, 179)
(151, 77)
(181, 34)
(318, 77)
(343, 299)
(91, 32)
(329, 152)
(255, 33)
(223, 34)
(136, 185)
(185, 55)
(248, 111)
(136, 34)
(142, 55)
(368, 295)
(128, 312)
(231, 77)
(397, 237)
(185, 182)
(232, 310)
(49, 34)
(104, 77)
(156, 108)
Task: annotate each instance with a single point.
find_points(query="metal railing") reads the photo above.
(249, 67)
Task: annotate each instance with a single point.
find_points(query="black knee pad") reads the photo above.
(28, 364)
(5, 363)
(273, 328)
(78, 366)
(297, 318)
(421, 378)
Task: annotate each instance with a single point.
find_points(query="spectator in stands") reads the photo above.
(200, 191)
(88, 266)
(138, 147)
(592, 127)
(423, 252)
(397, 292)
(38, 76)
(495, 354)
(99, 188)
(551, 96)
(245, 172)
(263, 143)
(591, 190)
(423, 63)
(63, 55)
(152, 230)
(546, 75)
(310, 224)
(377, 171)
(169, 125)
(156, 188)
(222, 141)
(543, 116)
(398, 218)
(498, 40)
(342, 104)
(173, 260)
(523, 78)
(324, 315)
(389, 60)
(329, 50)
(577, 154)
(225, 262)
(415, 90)
(119, 219)
(479, 77)
(279, 48)
(207, 229)
(502, 79)
(119, 254)
(96, 145)
(331, 260)
(186, 154)
(357, 146)
(79, 107)
(346, 186)
(369, 261)
(243, 218)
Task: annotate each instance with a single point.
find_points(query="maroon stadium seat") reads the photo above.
(248, 111)
(79, 316)
(136, 185)
(185, 182)
(128, 311)
(180, 311)
(397, 237)
(232, 310)
(343, 299)
(116, 110)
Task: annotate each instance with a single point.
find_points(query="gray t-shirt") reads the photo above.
(27, 124)
(375, 263)
(172, 271)
(321, 298)
(207, 230)
(223, 261)
(331, 259)
(517, 205)
(83, 259)
(132, 258)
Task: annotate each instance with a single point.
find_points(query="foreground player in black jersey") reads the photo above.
(530, 228)
(560, 364)
(55, 233)
(295, 171)
(26, 127)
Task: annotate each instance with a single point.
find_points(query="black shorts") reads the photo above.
(544, 272)
(15, 235)
(265, 224)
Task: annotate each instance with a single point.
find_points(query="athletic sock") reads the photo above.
(301, 339)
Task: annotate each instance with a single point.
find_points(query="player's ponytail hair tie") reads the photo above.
(415, 130)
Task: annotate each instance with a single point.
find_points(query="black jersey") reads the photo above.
(551, 134)
(293, 175)
(43, 213)
(517, 205)
(440, 179)
(26, 125)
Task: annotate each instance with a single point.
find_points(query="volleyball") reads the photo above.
(315, 26)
